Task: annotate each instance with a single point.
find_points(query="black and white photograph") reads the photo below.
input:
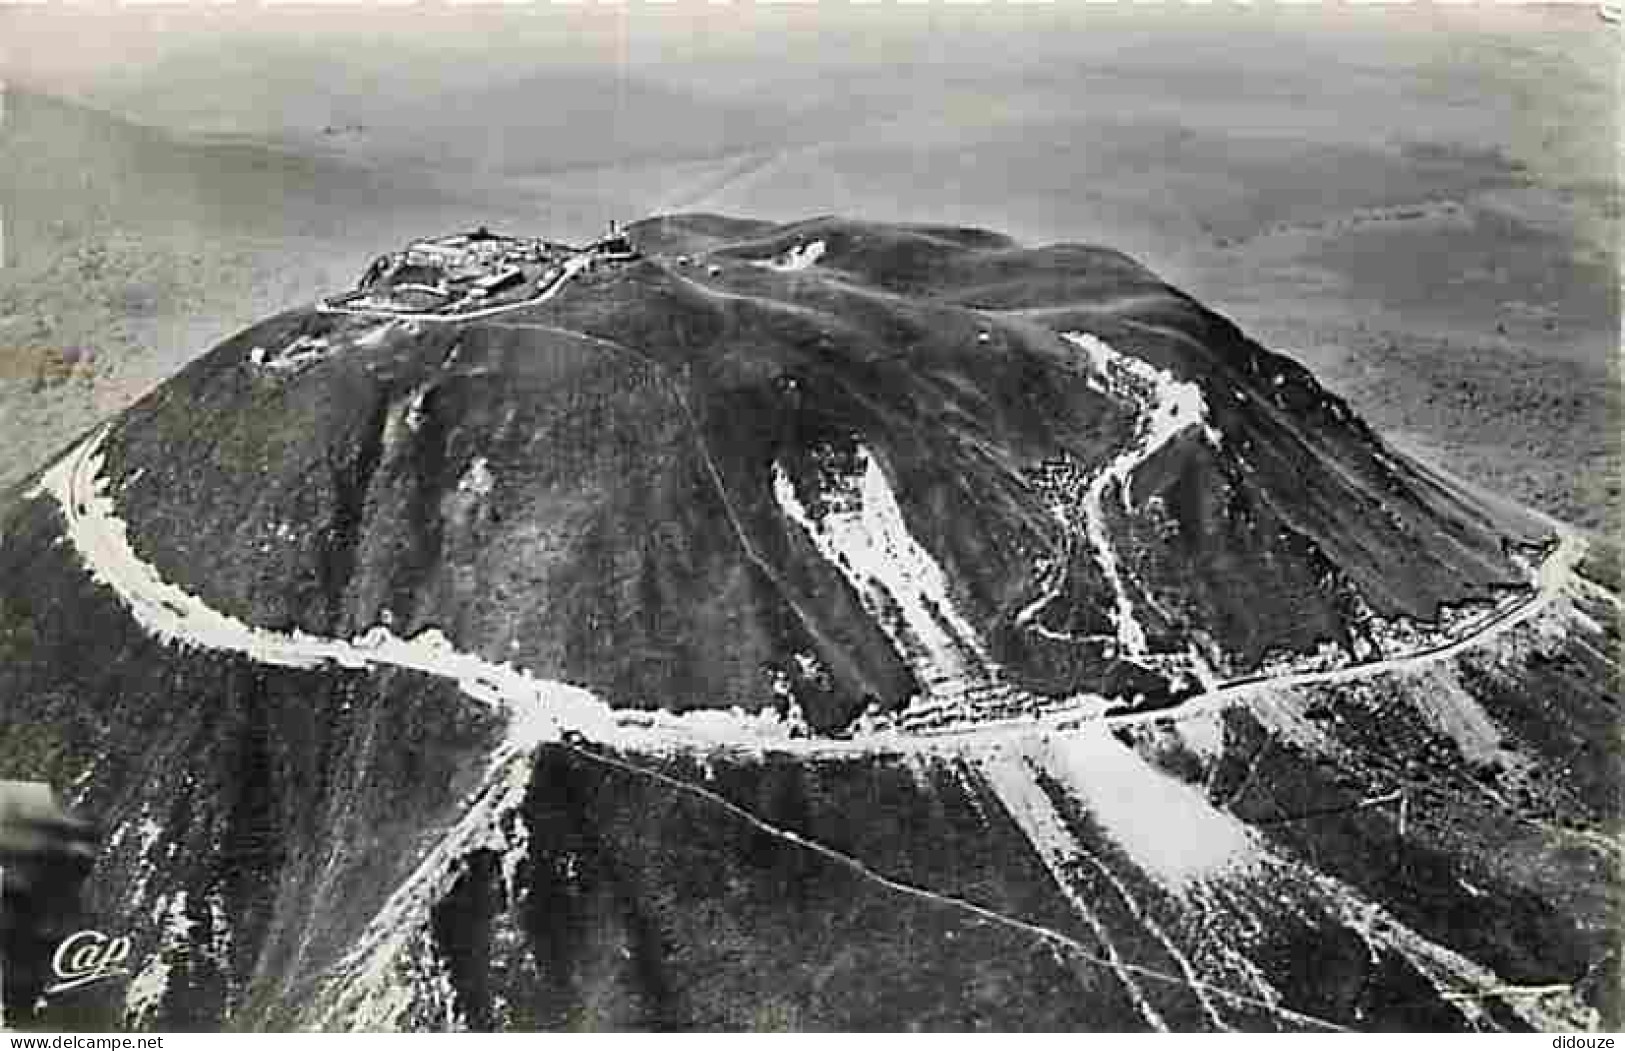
(830, 516)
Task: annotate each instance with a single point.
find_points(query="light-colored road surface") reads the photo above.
(365, 991)
(541, 709)
(1165, 407)
(1554, 577)
(537, 709)
(1168, 829)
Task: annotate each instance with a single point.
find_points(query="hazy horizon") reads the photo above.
(1341, 180)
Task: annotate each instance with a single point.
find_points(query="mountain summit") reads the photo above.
(833, 466)
(463, 618)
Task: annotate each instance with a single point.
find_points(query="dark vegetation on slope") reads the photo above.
(1506, 854)
(293, 801)
(651, 907)
(586, 487)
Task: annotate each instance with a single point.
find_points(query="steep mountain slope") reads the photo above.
(819, 626)
(641, 487)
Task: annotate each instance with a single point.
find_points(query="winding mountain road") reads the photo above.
(540, 710)
(1166, 408)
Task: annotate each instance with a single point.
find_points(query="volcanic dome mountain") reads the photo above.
(612, 660)
(615, 500)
